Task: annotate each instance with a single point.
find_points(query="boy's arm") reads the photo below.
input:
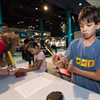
(37, 66)
(91, 75)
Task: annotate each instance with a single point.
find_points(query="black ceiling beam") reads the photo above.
(70, 4)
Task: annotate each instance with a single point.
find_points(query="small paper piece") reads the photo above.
(21, 67)
(65, 72)
(31, 87)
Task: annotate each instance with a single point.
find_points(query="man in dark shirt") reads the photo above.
(25, 46)
(3, 28)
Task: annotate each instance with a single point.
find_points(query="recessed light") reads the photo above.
(36, 8)
(45, 21)
(50, 27)
(80, 4)
(45, 8)
(33, 27)
(17, 22)
(59, 15)
(72, 17)
(36, 25)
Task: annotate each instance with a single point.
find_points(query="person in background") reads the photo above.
(25, 46)
(39, 58)
(85, 52)
(3, 28)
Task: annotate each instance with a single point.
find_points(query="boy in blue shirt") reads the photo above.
(85, 52)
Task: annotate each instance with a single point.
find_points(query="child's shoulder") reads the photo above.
(98, 41)
(76, 41)
(40, 54)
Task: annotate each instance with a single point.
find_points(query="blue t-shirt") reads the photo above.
(85, 58)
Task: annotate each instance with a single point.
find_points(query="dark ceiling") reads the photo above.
(12, 13)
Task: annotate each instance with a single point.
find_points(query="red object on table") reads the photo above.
(65, 72)
(20, 74)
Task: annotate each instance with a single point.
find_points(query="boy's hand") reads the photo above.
(57, 61)
(70, 68)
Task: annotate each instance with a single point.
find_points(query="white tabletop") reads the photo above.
(69, 90)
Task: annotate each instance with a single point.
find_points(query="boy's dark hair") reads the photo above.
(90, 13)
(32, 44)
(4, 24)
(99, 12)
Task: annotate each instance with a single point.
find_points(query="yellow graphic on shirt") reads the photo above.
(90, 63)
(78, 60)
(84, 62)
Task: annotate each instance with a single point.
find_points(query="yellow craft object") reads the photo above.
(50, 52)
(11, 58)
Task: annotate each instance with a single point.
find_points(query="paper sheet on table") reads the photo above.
(21, 67)
(31, 87)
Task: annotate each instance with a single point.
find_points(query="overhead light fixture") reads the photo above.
(45, 21)
(36, 8)
(36, 20)
(80, 4)
(21, 21)
(17, 22)
(59, 15)
(50, 27)
(33, 27)
(45, 8)
(36, 25)
(72, 17)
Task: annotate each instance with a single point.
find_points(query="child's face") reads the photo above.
(88, 29)
(33, 50)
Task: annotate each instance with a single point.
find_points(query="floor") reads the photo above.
(51, 68)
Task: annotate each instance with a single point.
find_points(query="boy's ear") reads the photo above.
(98, 26)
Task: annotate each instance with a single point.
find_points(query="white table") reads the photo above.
(69, 90)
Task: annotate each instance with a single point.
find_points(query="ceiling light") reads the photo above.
(72, 17)
(36, 25)
(45, 8)
(59, 15)
(50, 27)
(45, 21)
(33, 27)
(17, 22)
(21, 21)
(80, 4)
(36, 8)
